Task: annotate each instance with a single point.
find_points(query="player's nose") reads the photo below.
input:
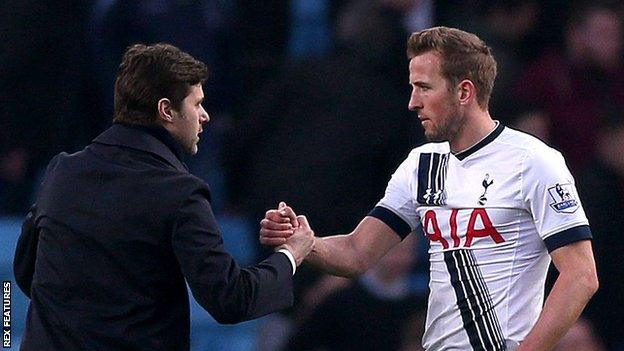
(415, 103)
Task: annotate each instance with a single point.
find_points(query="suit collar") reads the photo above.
(155, 140)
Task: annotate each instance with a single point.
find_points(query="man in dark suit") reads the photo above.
(120, 226)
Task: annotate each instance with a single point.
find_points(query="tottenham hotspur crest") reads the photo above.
(486, 184)
(563, 200)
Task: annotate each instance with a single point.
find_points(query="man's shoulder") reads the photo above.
(429, 148)
(413, 158)
(513, 140)
(99, 163)
(536, 155)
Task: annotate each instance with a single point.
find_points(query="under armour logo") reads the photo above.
(432, 197)
(486, 185)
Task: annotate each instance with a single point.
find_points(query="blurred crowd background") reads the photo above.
(308, 100)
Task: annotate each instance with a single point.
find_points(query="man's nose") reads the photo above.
(414, 103)
(204, 117)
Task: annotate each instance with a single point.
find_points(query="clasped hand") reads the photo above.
(282, 228)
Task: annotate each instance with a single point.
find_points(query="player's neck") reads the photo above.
(474, 129)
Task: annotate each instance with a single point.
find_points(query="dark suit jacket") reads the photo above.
(116, 231)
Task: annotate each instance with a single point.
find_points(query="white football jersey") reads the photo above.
(492, 214)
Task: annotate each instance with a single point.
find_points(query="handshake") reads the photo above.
(283, 229)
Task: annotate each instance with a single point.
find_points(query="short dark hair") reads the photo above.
(148, 73)
(464, 56)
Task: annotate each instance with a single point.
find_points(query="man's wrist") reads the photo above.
(291, 258)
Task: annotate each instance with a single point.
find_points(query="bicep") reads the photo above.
(576, 257)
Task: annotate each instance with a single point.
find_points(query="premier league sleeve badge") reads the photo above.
(563, 198)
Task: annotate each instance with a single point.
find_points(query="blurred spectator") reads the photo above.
(419, 14)
(338, 125)
(274, 31)
(203, 28)
(579, 85)
(278, 328)
(602, 191)
(42, 83)
(369, 314)
(14, 185)
(534, 122)
(413, 333)
(507, 27)
(310, 30)
(525, 117)
(580, 337)
(261, 51)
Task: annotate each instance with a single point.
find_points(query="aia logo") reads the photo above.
(432, 230)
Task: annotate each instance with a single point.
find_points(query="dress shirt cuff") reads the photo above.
(291, 258)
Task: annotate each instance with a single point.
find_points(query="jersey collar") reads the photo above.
(486, 140)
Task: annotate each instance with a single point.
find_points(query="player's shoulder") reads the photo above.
(533, 150)
(526, 143)
(410, 163)
(428, 148)
(413, 157)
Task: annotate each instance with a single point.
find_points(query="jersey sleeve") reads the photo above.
(397, 208)
(550, 195)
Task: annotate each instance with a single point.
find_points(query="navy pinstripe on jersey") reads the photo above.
(432, 168)
(474, 302)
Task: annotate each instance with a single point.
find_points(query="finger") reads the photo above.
(290, 214)
(272, 241)
(303, 221)
(277, 216)
(269, 224)
(281, 205)
(275, 233)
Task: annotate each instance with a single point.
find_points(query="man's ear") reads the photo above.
(165, 114)
(466, 91)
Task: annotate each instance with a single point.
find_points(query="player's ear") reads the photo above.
(164, 110)
(466, 91)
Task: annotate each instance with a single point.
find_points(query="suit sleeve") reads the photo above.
(28, 241)
(26, 252)
(231, 294)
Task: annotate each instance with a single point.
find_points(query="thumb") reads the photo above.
(303, 221)
(281, 205)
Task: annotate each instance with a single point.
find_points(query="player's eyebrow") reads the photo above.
(420, 83)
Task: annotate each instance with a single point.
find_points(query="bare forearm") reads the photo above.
(337, 255)
(563, 306)
(353, 254)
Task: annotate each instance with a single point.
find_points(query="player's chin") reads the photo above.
(432, 136)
